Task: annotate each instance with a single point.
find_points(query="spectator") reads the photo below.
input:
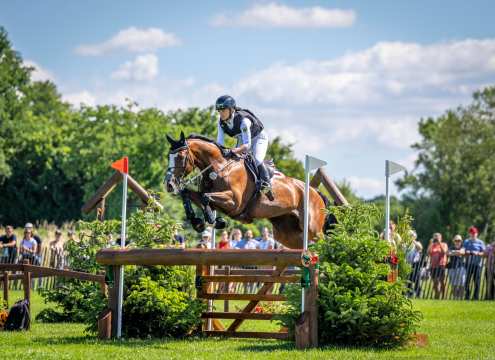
(457, 270)
(236, 240)
(490, 271)
(28, 246)
(8, 246)
(394, 238)
(474, 248)
(71, 236)
(413, 258)
(37, 256)
(224, 242)
(179, 240)
(266, 242)
(438, 260)
(251, 242)
(57, 251)
(205, 241)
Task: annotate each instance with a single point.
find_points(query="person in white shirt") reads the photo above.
(205, 241)
(266, 242)
(29, 246)
(251, 242)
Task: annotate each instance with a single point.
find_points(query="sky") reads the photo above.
(344, 81)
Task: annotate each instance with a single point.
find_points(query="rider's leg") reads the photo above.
(259, 148)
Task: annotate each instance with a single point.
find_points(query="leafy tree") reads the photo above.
(455, 171)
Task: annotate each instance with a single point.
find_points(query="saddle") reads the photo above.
(252, 169)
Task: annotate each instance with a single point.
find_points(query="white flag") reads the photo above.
(392, 168)
(314, 163)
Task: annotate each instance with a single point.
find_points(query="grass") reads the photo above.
(456, 330)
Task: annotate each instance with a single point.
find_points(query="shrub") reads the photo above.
(158, 301)
(356, 304)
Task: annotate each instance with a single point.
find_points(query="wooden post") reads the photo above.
(227, 286)
(6, 288)
(100, 210)
(306, 330)
(113, 292)
(27, 291)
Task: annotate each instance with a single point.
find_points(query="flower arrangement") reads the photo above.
(3, 318)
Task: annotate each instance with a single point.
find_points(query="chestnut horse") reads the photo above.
(226, 186)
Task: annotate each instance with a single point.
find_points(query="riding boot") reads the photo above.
(266, 186)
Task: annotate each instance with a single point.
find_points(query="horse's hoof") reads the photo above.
(220, 223)
(198, 225)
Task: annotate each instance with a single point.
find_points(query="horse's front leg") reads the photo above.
(223, 201)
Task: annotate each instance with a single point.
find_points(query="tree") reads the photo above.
(454, 177)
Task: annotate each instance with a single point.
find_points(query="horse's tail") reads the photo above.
(330, 219)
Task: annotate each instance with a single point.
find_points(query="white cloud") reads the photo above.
(39, 73)
(383, 73)
(143, 67)
(83, 97)
(366, 186)
(132, 40)
(278, 15)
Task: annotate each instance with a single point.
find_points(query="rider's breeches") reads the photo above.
(260, 146)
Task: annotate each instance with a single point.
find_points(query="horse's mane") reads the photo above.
(205, 138)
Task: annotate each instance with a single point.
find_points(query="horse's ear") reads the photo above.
(182, 136)
(170, 140)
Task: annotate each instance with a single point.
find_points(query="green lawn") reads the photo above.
(456, 330)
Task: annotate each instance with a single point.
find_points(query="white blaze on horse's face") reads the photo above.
(171, 161)
(170, 178)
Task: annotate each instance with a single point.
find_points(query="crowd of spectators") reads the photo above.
(459, 265)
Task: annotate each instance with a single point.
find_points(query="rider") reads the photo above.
(248, 130)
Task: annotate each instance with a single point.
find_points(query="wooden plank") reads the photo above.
(251, 297)
(267, 272)
(252, 278)
(227, 287)
(237, 315)
(252, 304)
(142, 193)
(249, 334)
(321, 177)
(45, 271)
(175, 256)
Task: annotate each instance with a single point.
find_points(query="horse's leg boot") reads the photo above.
(198, 224)
(220, 223)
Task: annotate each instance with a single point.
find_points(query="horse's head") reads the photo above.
(179, 163)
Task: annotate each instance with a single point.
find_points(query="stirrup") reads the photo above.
(266, 188)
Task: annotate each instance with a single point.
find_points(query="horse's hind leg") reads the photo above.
(286, 231)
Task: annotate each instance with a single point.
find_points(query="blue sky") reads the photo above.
(345, 81)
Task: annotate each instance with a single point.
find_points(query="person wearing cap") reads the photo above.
(205, 241)
(57, 251)
(474, 248)
(457, 270)
(37, 256)
(28, 246)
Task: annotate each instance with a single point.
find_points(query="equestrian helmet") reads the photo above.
(225, 102)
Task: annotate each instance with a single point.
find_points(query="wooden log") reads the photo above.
(113, 293)
(321, 177)
(252, 278)
(5, 282)
(250, 297)
(100, 210)
(46, 271)
(102, 192)
(237, 315)
(142, 193)
(249, 334)
(176, 256)
(105, 324)
(302, 331)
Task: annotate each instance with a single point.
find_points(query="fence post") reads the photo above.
(112, 298)
(227, 286)
(6, 288)
(27, 292)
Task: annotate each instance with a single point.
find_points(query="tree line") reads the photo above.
(53, 156)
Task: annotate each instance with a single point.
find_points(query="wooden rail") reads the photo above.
(198, 257)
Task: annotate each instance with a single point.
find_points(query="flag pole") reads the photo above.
(306, 216)
(123, 166)
(387, 201)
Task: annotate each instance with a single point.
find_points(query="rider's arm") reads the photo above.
(245, 137)
(220, 134)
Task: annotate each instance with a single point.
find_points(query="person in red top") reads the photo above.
(438, 260)
(224, 242)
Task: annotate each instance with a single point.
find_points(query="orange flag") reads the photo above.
(121, 165)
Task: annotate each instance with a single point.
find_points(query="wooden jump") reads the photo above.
(280, 260)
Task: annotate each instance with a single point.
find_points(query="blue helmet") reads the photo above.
(225, 102)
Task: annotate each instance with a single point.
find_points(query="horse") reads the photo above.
(226, 186)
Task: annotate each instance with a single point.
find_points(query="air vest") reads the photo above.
(256, 125)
